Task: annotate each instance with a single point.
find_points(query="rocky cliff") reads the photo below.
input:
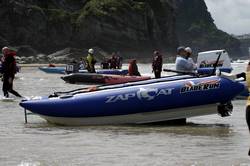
(125, 25)
(133, 27)
(196, 28)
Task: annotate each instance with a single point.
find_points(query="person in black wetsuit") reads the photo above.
(9, 71)
(157, 64)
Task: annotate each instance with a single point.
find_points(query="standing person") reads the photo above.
(9, 71)
(157, 64)
(113, 61)
(182, 63)
(248, 100)
(133, 68)
(189, 58)
(91, 61)
(119, 60)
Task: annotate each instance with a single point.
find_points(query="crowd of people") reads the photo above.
(88, 63)
(115, 62)
(184, 62)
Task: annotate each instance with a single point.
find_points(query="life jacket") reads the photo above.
(9, 67)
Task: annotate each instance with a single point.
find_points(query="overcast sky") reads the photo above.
(232, 16)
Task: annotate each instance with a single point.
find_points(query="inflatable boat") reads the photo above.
(53, 70)
(168, 99)
(61, 70)
(107, 79)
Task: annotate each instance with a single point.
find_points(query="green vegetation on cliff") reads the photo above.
(133, 27)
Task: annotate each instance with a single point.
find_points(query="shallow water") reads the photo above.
(208, 140)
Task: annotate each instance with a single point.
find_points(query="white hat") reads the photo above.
(4, 49)
(91, 51)
(189, 50)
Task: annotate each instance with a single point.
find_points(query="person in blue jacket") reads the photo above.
(182, 63)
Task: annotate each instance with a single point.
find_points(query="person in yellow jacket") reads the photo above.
(90, 61)
(248, 100)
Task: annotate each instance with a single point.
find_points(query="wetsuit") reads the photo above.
(9, 71)
(157, 65)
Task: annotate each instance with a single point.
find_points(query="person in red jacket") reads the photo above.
(157, 64)
(133, 68)
(9, 70)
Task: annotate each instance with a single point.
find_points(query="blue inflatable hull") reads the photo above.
(154, 102)
(61, 70)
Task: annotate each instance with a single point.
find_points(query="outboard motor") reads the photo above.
(73, 67)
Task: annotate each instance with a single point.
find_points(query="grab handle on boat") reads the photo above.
(182, 72)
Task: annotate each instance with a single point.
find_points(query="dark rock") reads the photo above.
(196, 28)
(26, 51)
(69, 54)
(3, 42)
(133, 27)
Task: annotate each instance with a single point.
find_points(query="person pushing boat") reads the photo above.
(91, 61)
(157, 64)
(9, 71)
